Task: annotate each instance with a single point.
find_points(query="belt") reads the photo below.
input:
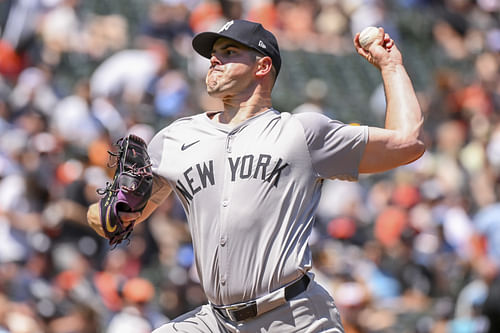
(247, 310)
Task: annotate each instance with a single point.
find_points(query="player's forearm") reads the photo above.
(147, 211)
(403, 114)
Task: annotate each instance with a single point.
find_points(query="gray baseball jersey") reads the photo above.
(250, 192)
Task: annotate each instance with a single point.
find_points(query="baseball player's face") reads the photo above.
(232, 66)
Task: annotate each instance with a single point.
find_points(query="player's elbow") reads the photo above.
(409, 142)
(414, 151)
(416, 143)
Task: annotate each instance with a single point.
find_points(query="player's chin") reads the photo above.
(215, 92)
(212, 85)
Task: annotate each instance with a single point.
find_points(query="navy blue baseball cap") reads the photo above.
(250, 34)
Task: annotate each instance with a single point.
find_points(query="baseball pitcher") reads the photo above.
(249, 178)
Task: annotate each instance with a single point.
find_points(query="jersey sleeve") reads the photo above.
(335, 148)
(160, 184)
(155, 149)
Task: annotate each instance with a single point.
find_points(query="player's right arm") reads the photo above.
(399, 142)
(161, 190)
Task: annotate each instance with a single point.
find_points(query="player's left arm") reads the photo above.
(400, 141)
(161, 190)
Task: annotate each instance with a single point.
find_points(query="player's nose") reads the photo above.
(214, 60)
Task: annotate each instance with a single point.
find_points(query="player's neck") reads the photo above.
(237, 111)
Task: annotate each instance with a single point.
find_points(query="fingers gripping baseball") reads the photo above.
(378, 49)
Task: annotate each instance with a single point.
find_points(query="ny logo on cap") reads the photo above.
(226, 26)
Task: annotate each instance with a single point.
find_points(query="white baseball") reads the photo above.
(367, 36)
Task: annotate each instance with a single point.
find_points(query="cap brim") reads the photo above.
(204, 42)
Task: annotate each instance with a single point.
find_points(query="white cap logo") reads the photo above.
(261, 44)
(226, 26)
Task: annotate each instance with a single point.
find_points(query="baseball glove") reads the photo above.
(130, 189)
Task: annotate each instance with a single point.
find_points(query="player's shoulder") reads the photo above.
(306, 119)
(185, 121)
(177, 127)
(315, 121)
(312, 118)
(182, 124)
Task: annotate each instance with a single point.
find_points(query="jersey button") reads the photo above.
(223, 240)
(223, 280)
(225, 203)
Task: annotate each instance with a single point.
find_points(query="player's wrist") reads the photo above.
(391, 68)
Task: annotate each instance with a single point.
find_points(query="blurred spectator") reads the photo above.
(137, 314)
(12, 63)
(102, 36)
(33, 91)
(316, 91)
(111, 279)
(59, 29)
(167, 21)
(79, 318)
(487, 224)
(72, 120)
(126, 72)
(296, 20)
(492, 303)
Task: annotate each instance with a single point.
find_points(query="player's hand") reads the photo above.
(95, 222)
(93, 219)
(382, 53)
(128, 218)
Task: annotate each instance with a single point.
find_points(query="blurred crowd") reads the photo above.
(412, 250)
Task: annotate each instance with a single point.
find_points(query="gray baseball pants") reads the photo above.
(311, 311)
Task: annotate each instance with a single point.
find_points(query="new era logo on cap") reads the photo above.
(248, 33)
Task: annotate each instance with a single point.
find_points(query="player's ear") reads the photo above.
(264, 66)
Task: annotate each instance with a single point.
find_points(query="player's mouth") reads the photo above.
(214, 73)
(215, 68)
